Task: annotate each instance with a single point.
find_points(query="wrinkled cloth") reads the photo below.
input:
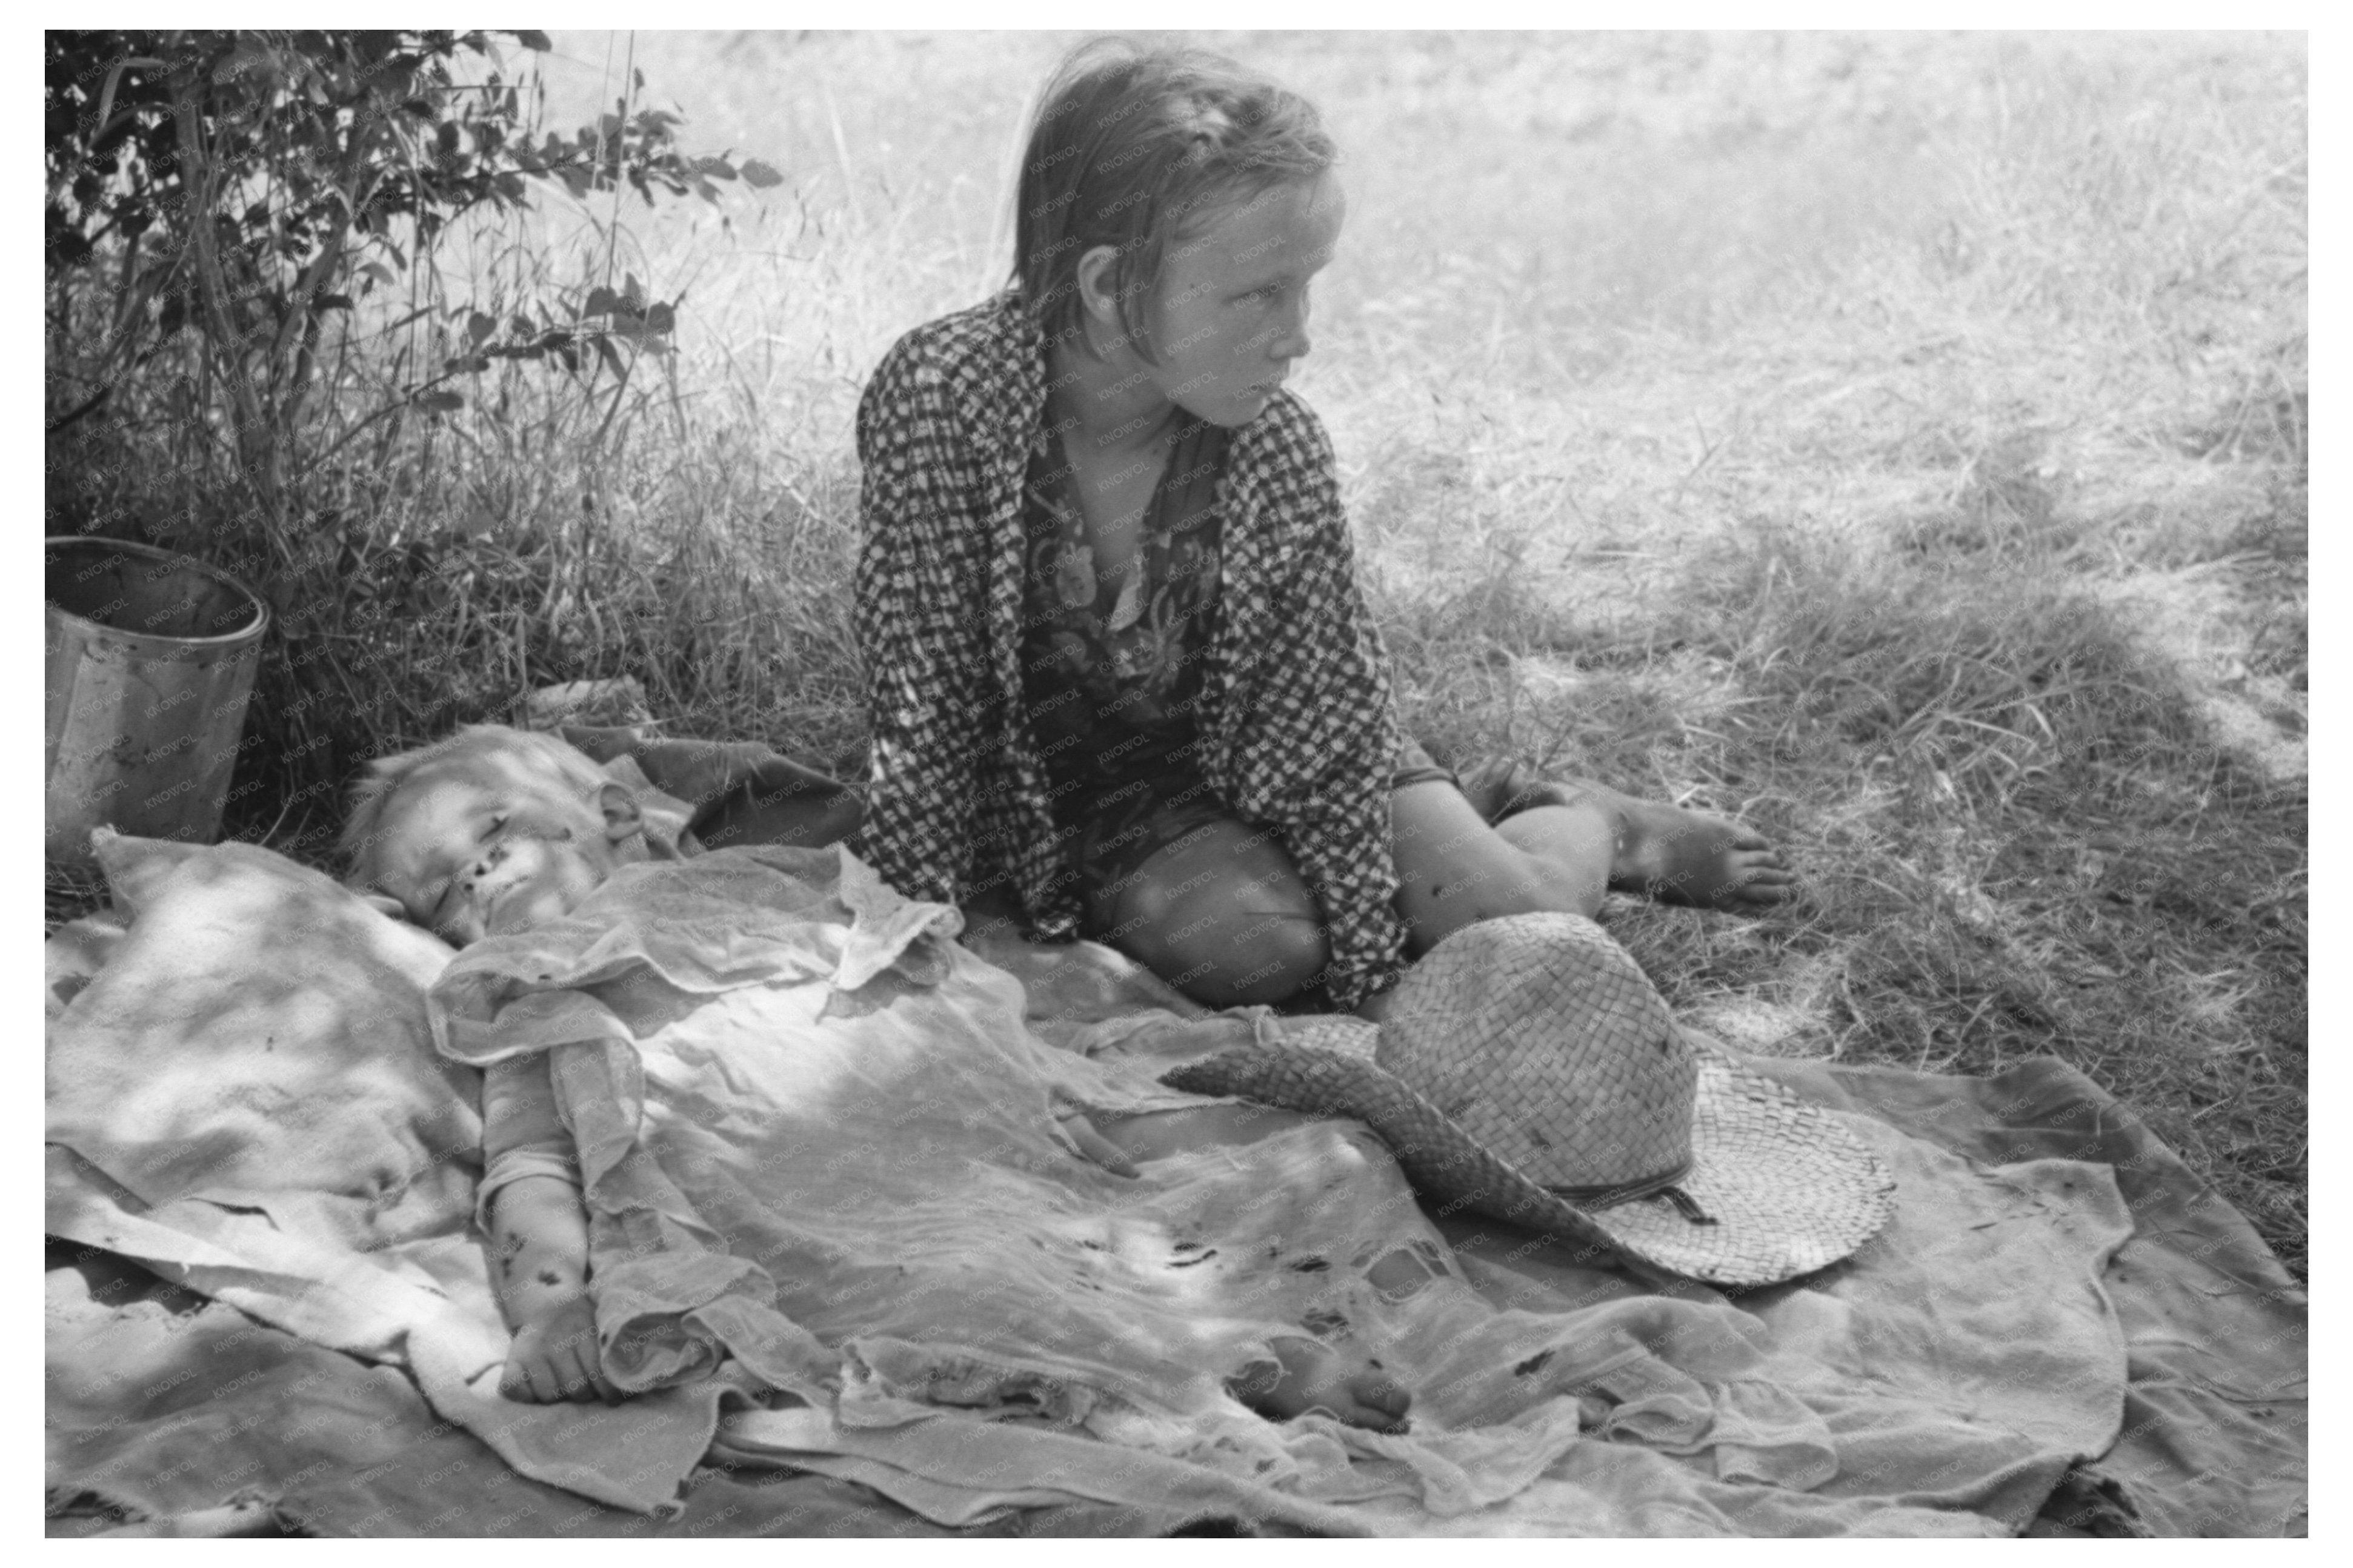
(161, 1403)
(817, 1139)
(244, 1097)
(2060, 1312)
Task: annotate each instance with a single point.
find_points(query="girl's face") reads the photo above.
(1231, 318)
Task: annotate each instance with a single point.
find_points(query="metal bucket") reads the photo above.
(151, 660)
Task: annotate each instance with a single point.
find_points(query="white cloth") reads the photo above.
(244, 1099)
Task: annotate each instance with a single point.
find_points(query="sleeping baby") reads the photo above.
(752, 1114)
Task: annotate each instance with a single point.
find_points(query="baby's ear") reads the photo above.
(622, 817)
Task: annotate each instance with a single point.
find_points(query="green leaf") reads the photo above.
(610, 355)
(759, 176)
(633, 293)
(717, 168)
(603, 301)
(439, 401)
(536, 42)
(479, 328)
(660, 318)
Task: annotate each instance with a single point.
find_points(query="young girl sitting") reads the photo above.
(1120, 673)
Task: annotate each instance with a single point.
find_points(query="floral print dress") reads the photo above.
(1112, 668)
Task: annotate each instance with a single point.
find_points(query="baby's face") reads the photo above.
(468, 853)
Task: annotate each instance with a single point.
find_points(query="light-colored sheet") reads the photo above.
(1944, 1382)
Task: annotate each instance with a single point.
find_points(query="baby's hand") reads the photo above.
(1090, 1143)
(554, 1357)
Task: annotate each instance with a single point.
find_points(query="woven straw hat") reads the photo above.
(1528, 1071)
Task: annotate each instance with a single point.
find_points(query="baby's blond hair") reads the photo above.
(539, 758)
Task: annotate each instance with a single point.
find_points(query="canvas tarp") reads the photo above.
(2060, 1311)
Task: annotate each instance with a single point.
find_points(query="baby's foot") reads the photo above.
(1680, 856)
(1313, 1376)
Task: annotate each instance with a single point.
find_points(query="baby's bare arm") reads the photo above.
(539, 1240)
(539, 1236)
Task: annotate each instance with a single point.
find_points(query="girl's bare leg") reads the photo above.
(1454, 869)
(1221, 915)
(1662, 851)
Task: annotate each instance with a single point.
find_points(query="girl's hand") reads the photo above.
(554, 1357)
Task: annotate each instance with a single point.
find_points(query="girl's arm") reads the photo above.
(1320, 739)
(918, 607)
(539, 1238)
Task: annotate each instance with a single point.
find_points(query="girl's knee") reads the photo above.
(1225, 919)
(1227, 958)
(1269, 959)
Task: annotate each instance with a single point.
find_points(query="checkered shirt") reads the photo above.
(1297, 731)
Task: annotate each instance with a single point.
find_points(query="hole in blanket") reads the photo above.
(1399, 1275)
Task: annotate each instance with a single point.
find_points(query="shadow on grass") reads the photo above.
(2017, 835)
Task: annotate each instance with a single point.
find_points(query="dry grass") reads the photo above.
(1898, 440)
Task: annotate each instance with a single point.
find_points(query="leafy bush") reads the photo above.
(249, 342)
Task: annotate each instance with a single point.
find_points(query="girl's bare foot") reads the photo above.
(1680, 856)
(1675, 856)
(1313, 1376)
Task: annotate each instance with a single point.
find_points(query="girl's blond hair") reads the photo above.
(1128, 146)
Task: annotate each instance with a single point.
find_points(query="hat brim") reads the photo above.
(1790, 1188)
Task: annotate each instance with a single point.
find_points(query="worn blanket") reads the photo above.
(243, 1098)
